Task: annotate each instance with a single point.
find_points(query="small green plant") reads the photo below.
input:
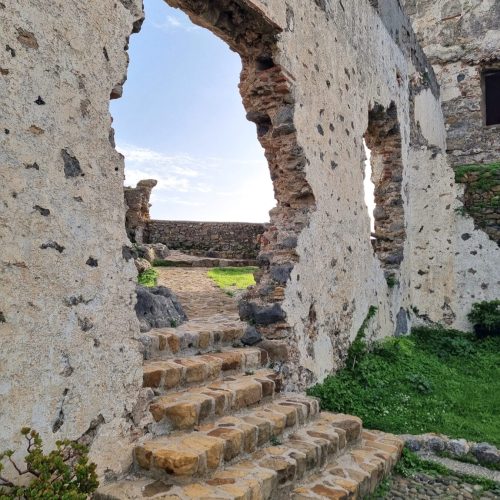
(420, 383)
(485, 316)
(64, 473)
(485, 176)
(391, 281)
(148, 278)
(382, 490)
(275, 441)
(359, 348)
(173, 323)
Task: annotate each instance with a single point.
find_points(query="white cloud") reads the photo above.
(201, 189)
(172, 23)
(181, 172)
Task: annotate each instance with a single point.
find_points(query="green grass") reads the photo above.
(434, 380)
(487, 175)
(233, 277)
(148, 278)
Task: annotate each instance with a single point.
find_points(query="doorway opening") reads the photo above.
(266, 89)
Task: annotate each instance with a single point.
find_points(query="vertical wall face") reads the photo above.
(68, 359)
(446, 265)
(462, 41)
(312, 71)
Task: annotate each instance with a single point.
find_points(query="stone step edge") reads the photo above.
(166, 343)
(246, 479)
(240, 434)
(355, 474)
(183, 410)
(164, 376)
(274, 481)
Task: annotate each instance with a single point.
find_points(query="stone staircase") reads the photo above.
(220, 427)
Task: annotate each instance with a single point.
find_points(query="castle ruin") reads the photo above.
(318, 78)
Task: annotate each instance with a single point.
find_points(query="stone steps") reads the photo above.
(356, 473)
(189, 371)
(330, 458)
(192, 338)
(191, 407)
(227, 438)
(218, 427)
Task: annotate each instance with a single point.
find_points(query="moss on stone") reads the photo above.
(484, 176)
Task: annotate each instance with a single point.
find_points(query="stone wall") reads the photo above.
(225, 240)
(69, 359)
(70, 363)
(482, 196)
(137, 203)
(462, 39)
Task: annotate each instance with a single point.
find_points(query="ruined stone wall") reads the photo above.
(312, 71)
(481, 196)
(462, 39)
(137, 204)
(225, 240)
(69, 358)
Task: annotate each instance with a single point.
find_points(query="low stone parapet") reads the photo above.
(226, 240)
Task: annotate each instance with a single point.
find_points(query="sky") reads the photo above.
(181, 121)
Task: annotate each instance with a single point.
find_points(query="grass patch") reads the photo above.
(487, 175)
(434, 380)
(233, 277)
(148, 278)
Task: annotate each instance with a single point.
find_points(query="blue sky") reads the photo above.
(181, 121)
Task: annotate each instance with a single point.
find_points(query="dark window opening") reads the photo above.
(492, 96)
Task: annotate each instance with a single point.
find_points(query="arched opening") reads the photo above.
(383, 139)
(266, 91)
(181, 121)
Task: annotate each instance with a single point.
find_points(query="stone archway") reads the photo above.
(266, 90)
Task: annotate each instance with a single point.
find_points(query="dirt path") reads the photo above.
(199, 295)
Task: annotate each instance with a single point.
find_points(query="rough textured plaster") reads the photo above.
(68, 352)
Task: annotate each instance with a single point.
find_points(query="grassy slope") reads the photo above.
(232, 277)
(432, 381)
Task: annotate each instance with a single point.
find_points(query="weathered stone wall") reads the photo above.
(312, 71)
(137, 203)
(462, 39)
(69, 357)
(225, 240)
(481, 197)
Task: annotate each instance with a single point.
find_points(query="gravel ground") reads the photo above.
(462, 467)
(425, 487)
